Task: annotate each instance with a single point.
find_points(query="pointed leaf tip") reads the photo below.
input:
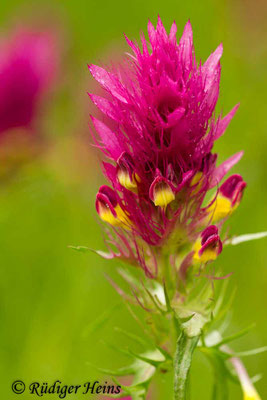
(159, 22)
(108, 81)
(223, 123)
(224, 168)
(187, 33)
(173, 31)
(211, 66)
(246, 238)
(81, 249)
(151, 32)
(188, 24)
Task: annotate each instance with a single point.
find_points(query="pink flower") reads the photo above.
(158, 142)
(209, 245)
(27, 64)
(229, 196)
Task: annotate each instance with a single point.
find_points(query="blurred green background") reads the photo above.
(49, 293)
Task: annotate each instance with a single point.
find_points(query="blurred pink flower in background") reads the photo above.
(28, 64)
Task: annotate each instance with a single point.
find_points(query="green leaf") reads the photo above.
(215, 352)
(117, 349)
(138, 320)
(152, 298)
(256, 378)
(129, 278)
(221, 297)
(235, 336)
(167, 299)
(84, 249)
(81, 249)
(164, 353)
(246, 238)
(151, 361)
(252, 352)
(139, 387)
(100, 321)
(186, 319)
(132, 336)
(224, 309)
(124, 371)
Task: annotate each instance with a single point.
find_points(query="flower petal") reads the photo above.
(223, 123)
(210, 66)
(108, 139)
(222, 170)
(108, 81)
(104, 105)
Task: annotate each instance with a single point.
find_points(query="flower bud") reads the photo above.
(228, 198)
(108, 208)
(208, 246)
(125, 172)
(160, 192)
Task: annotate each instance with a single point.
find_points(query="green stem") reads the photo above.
(182, 363)
(220, 388)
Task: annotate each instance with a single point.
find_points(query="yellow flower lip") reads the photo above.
(220, 208)
(107, 214)
(161, 192)
(114, 217)
(253, 396)
(196, 182)
(228, 198)
(127, 181)
(163, 196)
(109, 209)
(126, 174)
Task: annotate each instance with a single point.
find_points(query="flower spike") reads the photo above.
(158, 133)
